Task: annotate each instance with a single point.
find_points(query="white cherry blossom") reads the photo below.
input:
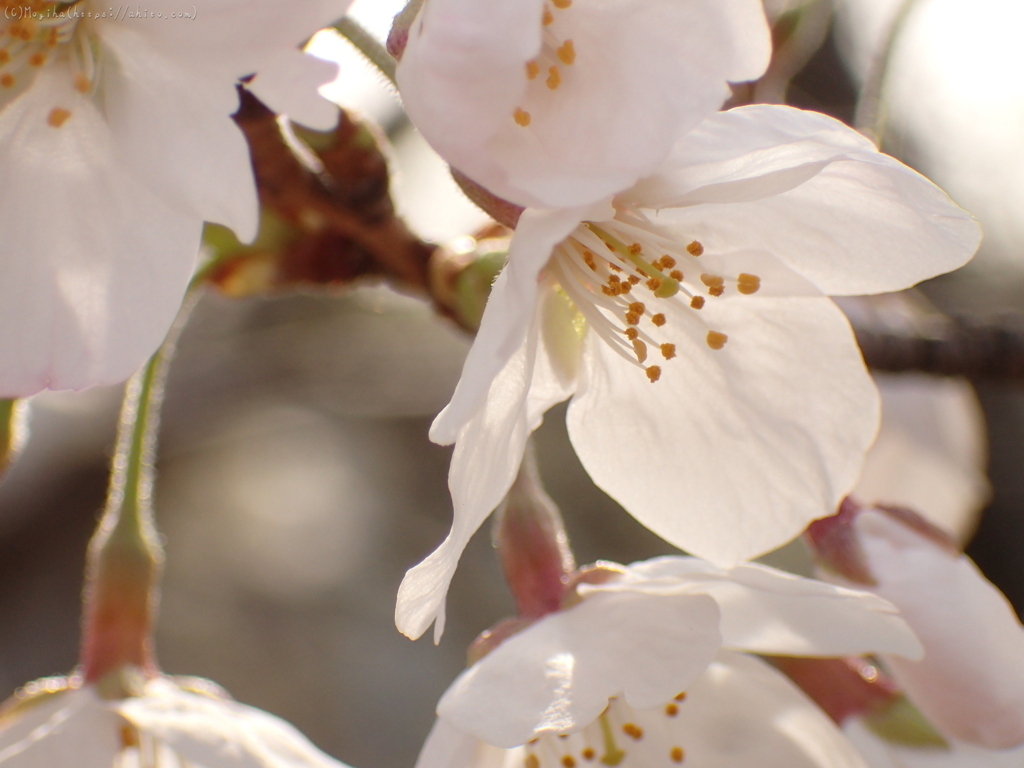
(718, 393)
(970, 684)
(644, 672)
(169, 724)
(563, 102)
(116, 143)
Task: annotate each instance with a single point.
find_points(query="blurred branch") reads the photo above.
(870, 116)
(991, 348)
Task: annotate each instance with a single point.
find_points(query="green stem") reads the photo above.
(125, 556)
(367, 45)
(870, 117)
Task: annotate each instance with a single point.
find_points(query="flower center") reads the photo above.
(555, 53)
(628, 295)
(33, 33)
(621, 736)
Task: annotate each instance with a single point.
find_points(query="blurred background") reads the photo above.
(296, 482)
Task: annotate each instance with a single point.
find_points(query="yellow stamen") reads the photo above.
(554, 78)
(57, 117)
(521, 116)
(716, 340)
(747, 284)
(566, 53)
(532, 70)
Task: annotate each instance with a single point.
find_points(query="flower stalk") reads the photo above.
(125, 557)
(367, 45)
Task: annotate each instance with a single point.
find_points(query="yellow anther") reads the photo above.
(522, 117)
(129, 737)
(531, 761)
(680, 696)
(532, 70)
(554, 78)
(748, 284)
(5, 56)
(566, 53)
(637, 307)
(82, 84)
(635, 249)
(57, 117)
(37, 60)
(613, 279)
(711, 280)
(587, 754)
(632, 333)
(633, 318)
(561, 4)
(695, 248)
(667, 262)
(716, 340)
(634, 732)
(568, 762)
(668, 351)
(671, 710)
(654, 283)
(676, 754)
(675, 274)
(625, 287)
(697, 302)
(548, 17)
(633, 280)
(614, 267)
(640, 350)
(658, 319)
(716, 290)
(653, 373)
(588, 259)
(6, 80)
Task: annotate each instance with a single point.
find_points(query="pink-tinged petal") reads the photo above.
(288, 82)
(931, 453)
(558, 674)
(768, 611)
(218, 733)
(70, 728)
(95, 266)
(970, 683)
(509, 312)
(743, 713)
(488, 451)
(463, 78)
(732, 452)
(172, 126)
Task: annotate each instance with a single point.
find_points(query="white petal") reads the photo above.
(748, 153)
(72, 728)
(462, 77)
(819, 197)
(931, 452)
(487, 455)
(448, 747)
(743, 713)
(509, 311)
(288, 84)
(558, 674)
(971, 682)
(94, 265)
(768, 611)
(732, 452)
(172, 126)
(216, 733)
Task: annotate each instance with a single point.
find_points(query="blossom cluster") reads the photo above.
(671, 273)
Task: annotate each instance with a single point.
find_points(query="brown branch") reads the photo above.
(991, 348)
(342, 211)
